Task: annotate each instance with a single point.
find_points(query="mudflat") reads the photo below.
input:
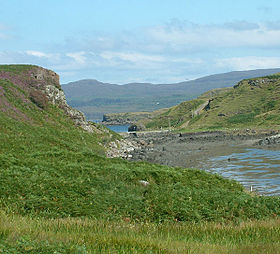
(190, 149)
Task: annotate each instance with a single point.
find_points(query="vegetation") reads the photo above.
(58, 172)
(175, 116)
(75, 235)
(16, 68)
(252, 103)
(95, 98)
(39, 99)
(58, 193)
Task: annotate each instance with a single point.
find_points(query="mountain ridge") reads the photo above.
(95, 98)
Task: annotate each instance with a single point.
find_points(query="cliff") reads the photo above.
(34, 84)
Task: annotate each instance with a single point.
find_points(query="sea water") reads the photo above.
(258, 169)
(118, 128)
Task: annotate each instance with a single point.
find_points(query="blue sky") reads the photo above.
(122, 41)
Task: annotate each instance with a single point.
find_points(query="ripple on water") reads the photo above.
(259, 168)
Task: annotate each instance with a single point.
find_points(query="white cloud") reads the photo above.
(237, 34)
(78, 57)
(133, 57)
(38, 54)
(172, 52)
(249, 62)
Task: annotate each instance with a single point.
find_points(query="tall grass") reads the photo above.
(37, 235)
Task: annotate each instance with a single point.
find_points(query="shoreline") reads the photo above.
(197, 150)
(162, 147)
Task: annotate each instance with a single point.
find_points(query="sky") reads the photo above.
(155, 41)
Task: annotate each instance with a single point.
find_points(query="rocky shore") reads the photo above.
(125, 118)
(189, 149)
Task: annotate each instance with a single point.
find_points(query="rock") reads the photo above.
(144, 183)
(122, 148)
(272, 140)
(132, 127)
(57, 97)
(43, 88)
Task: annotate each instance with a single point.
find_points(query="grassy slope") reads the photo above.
(95, 98)
(51, 169)
(254, 103)
(173, 117)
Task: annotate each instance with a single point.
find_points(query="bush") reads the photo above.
(39, 98)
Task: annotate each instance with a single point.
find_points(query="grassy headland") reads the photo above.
(58, 192)
(253, 103)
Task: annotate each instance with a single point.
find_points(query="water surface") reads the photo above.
(259, 168)
(119, 128)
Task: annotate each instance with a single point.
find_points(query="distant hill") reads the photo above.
(250, 103)
(95, 98)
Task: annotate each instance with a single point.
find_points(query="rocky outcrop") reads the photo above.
(48, 83)
(255, 83)
(43, 87)
(122, 148)
(272, 140)
(127, 117)
(116, 119)
(57, 97)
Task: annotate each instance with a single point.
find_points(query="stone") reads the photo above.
(144, 183)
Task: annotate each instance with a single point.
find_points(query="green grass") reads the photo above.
(254, 103)
(241, 118)
(62, 180)
(175, 116)
(16, 68)
(50, 168)
(38, 235)
(59, 193)
(275, 76)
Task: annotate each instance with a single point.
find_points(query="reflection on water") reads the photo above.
(252, 167)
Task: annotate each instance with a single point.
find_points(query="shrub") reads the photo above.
(39, 98)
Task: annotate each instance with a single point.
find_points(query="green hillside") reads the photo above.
(56, 183)
(95, 98)
(251, 103)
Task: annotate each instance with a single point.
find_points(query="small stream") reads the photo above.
(259, 168)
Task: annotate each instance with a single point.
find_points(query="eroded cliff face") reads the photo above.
(56, 96)
(51, 87)
(43, 87)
